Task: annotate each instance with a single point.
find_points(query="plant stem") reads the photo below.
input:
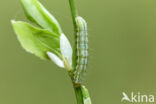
(78, 92)
(74, 15)
(79, 95)
(82, 95)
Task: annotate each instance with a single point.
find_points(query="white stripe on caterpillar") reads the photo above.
(82, 49)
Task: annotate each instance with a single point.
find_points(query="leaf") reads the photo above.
(46, 43)
(56, 60)
(37, 41)
(36, 12)
(66, 49)
(86, 96)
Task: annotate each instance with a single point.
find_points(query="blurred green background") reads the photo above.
(122, 35)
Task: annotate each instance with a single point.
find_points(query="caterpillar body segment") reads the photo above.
(82, 49)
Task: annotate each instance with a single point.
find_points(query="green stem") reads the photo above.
(74, 15)
(82, 94)
(79, 95)
(78, 92)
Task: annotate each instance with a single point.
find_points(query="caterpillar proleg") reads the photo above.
(82, 49)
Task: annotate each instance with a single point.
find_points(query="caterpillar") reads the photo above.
(82, 49)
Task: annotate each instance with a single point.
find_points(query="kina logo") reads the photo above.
(137, 98)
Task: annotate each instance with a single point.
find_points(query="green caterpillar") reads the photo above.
(82, 49)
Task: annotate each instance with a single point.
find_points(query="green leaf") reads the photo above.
(66, 51)
(37, 41)
(36, 12)
(86, 96)
(46, 43)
